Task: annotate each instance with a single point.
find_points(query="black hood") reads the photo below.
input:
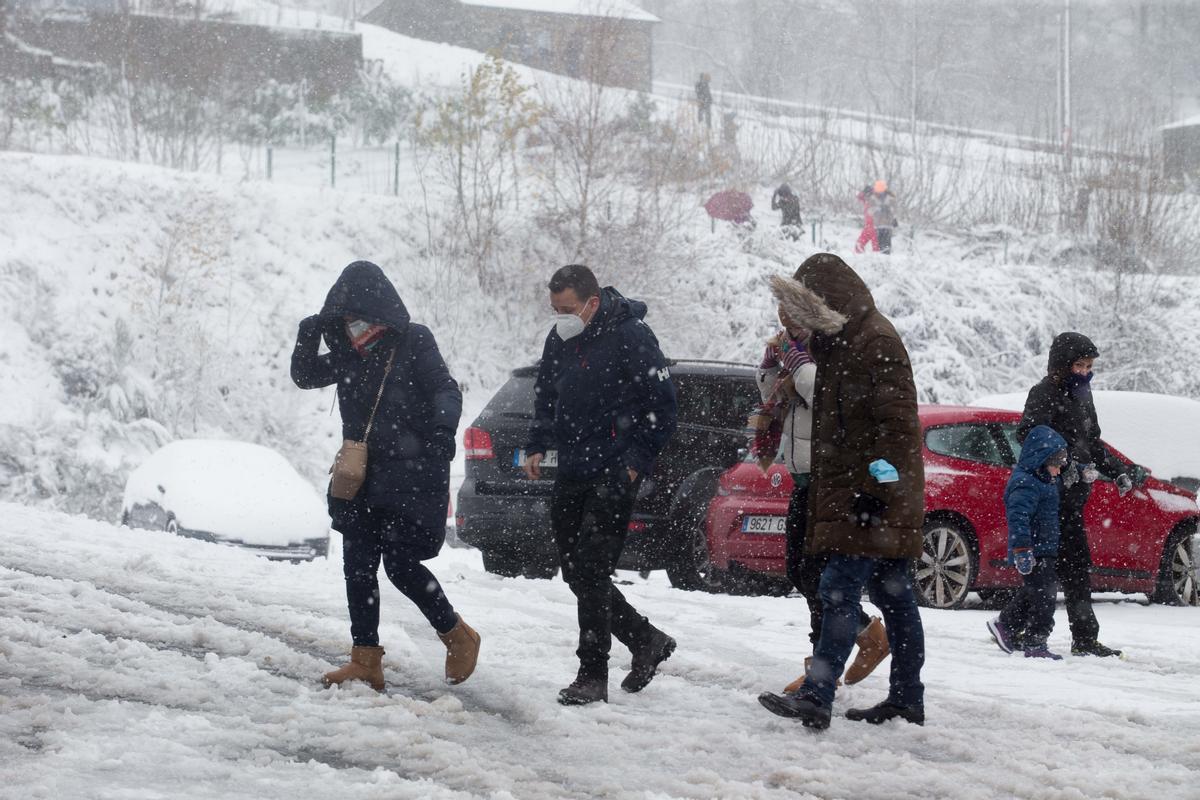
(1067, 349)
(614, 309)
(363, 291)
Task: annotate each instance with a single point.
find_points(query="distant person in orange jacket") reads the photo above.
(868, 234)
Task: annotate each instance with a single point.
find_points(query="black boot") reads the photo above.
(797, 706)
(646, 659)
(583, 690)
(887, 710)
(1093, 649)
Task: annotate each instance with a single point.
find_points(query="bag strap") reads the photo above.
(379, 396)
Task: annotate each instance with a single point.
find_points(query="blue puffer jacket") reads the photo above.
(1031, 496)
(605, 396)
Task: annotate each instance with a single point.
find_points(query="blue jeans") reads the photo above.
(889, 585)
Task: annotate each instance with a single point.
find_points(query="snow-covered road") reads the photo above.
(139, 665)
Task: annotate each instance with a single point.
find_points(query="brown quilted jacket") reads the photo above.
(864, 408)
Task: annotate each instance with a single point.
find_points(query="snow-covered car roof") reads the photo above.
(1156, 430)
(233, 490)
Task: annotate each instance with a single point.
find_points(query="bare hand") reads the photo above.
(533, 466)
(633, 473)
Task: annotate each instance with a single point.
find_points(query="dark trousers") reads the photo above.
(804, 570)
(590, 521)
(1030, 614)
(1075, 564)
(889, 584)
(379, 535)
(884, 237)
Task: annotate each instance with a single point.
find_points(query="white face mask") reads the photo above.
(568, 326)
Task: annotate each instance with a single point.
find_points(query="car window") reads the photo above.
(714, 402)
(1009, 432)
(514, 397)
(972, 442)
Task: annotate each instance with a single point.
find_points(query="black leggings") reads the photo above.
(803, 569)
(379, 535)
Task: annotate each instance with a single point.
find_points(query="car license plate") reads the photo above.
(549, 460)
(770, 525)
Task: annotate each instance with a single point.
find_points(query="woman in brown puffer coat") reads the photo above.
(867, 495)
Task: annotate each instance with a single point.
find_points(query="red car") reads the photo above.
(1140, 543)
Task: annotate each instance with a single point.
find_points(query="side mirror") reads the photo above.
(1139, 474)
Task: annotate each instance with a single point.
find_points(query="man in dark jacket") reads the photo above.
(391, 379)
(867, 491)
(704, 100)
(1063, 401)
(605, 406)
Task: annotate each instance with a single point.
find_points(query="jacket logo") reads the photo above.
(664, 374)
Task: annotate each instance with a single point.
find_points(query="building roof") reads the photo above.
(621, 9)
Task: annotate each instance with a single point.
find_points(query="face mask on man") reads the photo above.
(568, 326)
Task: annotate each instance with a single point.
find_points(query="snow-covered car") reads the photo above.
(1156, 430)
(232, 493)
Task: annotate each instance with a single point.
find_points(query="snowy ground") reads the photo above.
(139, 665)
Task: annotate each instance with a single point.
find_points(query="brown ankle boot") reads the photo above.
(795, 685)
(366, 664)
(872, 649)
(462, 651)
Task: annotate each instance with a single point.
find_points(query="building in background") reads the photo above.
(605, 41)
(1181, 150)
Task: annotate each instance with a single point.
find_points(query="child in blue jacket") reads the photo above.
(1031, 507)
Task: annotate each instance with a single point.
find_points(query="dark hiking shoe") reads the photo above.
(1002, 635)
(1093, 649)
(1041, 651)
(646, 660)
(583, 691)
(797, 706)
(878, 714)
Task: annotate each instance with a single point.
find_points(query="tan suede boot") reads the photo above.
(366, 664)
(462, 651)
(872, 649)
(795, 685)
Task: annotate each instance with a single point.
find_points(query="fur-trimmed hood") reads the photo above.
(804, 307)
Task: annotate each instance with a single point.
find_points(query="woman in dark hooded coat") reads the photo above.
(398, 515)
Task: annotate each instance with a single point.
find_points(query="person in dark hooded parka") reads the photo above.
(1063, 401)
(381, 360)
(866, 504)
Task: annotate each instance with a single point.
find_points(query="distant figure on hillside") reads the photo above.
(704, 100)
(785, 201)
(867, 235)
(883, 213)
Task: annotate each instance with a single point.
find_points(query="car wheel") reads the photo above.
(693, 569)
(499, 563)
(540, 567)
(943, 574)
(1177, 575)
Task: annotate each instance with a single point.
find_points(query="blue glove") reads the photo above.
(1023, 560)
(442, 444)
(882, 471)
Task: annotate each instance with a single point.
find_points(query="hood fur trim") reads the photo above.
(804, 307)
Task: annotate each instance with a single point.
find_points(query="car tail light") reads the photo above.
(477, 443)
(460, 521)
(637, 526)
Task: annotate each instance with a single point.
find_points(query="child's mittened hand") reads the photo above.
(1023, 560)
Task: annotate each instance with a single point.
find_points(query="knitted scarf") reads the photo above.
(765, 425)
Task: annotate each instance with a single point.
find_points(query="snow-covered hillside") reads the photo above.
(140, 304)
(138, 664)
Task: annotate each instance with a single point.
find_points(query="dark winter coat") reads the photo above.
(883, 210)
(864, 408)
(604, 397)
(1065, 404)
(412, 440)
(785, 200)
(1031, 496)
